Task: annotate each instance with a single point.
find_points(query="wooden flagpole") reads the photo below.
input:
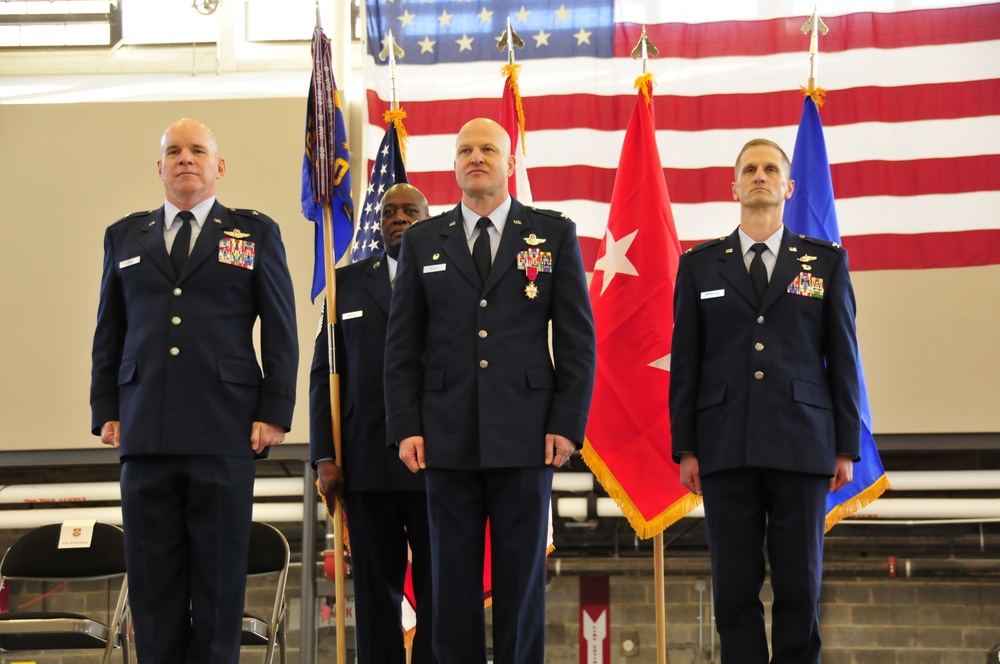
(336, 510)
(661, 612)
(645, 50)
(392, 50)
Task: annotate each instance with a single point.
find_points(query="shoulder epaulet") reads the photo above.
(549, 213)
(823, 243)
(138, 213)
(704, 245)
(431, 218)
(253, 214)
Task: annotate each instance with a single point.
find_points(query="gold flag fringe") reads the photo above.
(510, 72)
(347, 535)
(818, 95)
(396, 117)
(645, 83)
(849, 507)
(643, 528)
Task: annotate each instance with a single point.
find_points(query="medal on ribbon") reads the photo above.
(533, 261)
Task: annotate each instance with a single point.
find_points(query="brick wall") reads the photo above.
(864, 621)
(945, 620)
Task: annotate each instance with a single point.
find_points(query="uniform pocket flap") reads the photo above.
(126, 371)
(710, 396)
(540, 378)
(243, 372)
(812, 394)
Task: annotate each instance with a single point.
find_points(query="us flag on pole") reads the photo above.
(386, 170)
(912, 122)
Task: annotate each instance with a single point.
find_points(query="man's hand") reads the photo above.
(264, 435)
(331, 481)
(111, 433)
(844, 473)
(558, 450)
(411, 452)
(690, 473)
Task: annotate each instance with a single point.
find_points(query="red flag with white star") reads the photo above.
(632, 292)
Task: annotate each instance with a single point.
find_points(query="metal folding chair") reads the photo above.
(269, 554)
(36, 556)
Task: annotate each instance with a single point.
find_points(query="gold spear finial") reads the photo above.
(509, 40)
(814, 27)
(391, 50)
(645, 50)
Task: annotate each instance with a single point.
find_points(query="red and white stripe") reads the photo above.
(912, 122)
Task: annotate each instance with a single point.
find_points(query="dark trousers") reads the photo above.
(187, 532)
(516, 501)
(745, 510)
(382, 525)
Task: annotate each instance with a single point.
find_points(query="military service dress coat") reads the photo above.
(174, 357)
(468, 365)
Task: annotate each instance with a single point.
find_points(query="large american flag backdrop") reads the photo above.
(912, 114)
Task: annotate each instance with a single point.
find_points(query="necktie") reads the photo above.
(758, 273)
(481, 254)
(182, 243)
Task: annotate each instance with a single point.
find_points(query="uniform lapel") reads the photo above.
(785, 268)
(734, 269)
(154, 245)
(511, 242)
(377, 282)
(208, 240)
(456, 245)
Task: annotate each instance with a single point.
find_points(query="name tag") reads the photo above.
(76, 534)
(709, 294)
(439, 267)
(128, 262)
(348, 315)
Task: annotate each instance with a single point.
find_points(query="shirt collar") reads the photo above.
(773, 242)
(498, 217)
(390, 263)
(200, 211)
